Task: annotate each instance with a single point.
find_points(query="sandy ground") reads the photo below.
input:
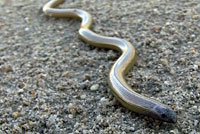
(52, 82)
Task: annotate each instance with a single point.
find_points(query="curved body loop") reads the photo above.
(120, 89)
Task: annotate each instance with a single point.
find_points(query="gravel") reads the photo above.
(52, 82)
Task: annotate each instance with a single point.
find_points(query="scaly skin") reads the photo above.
(120, 89)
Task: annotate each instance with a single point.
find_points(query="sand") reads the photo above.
(52, 82)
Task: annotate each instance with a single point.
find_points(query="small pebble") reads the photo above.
(94, 87)
(20, 90)
(6, 69)
(83, 96)
(164, 62)
(70, 116)
(15, 114)
(52, 119)
(195, 67)
(175, 131)
(26, 29)
(103, 99)
(66, 74)
(99, 118)
(26, 127)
